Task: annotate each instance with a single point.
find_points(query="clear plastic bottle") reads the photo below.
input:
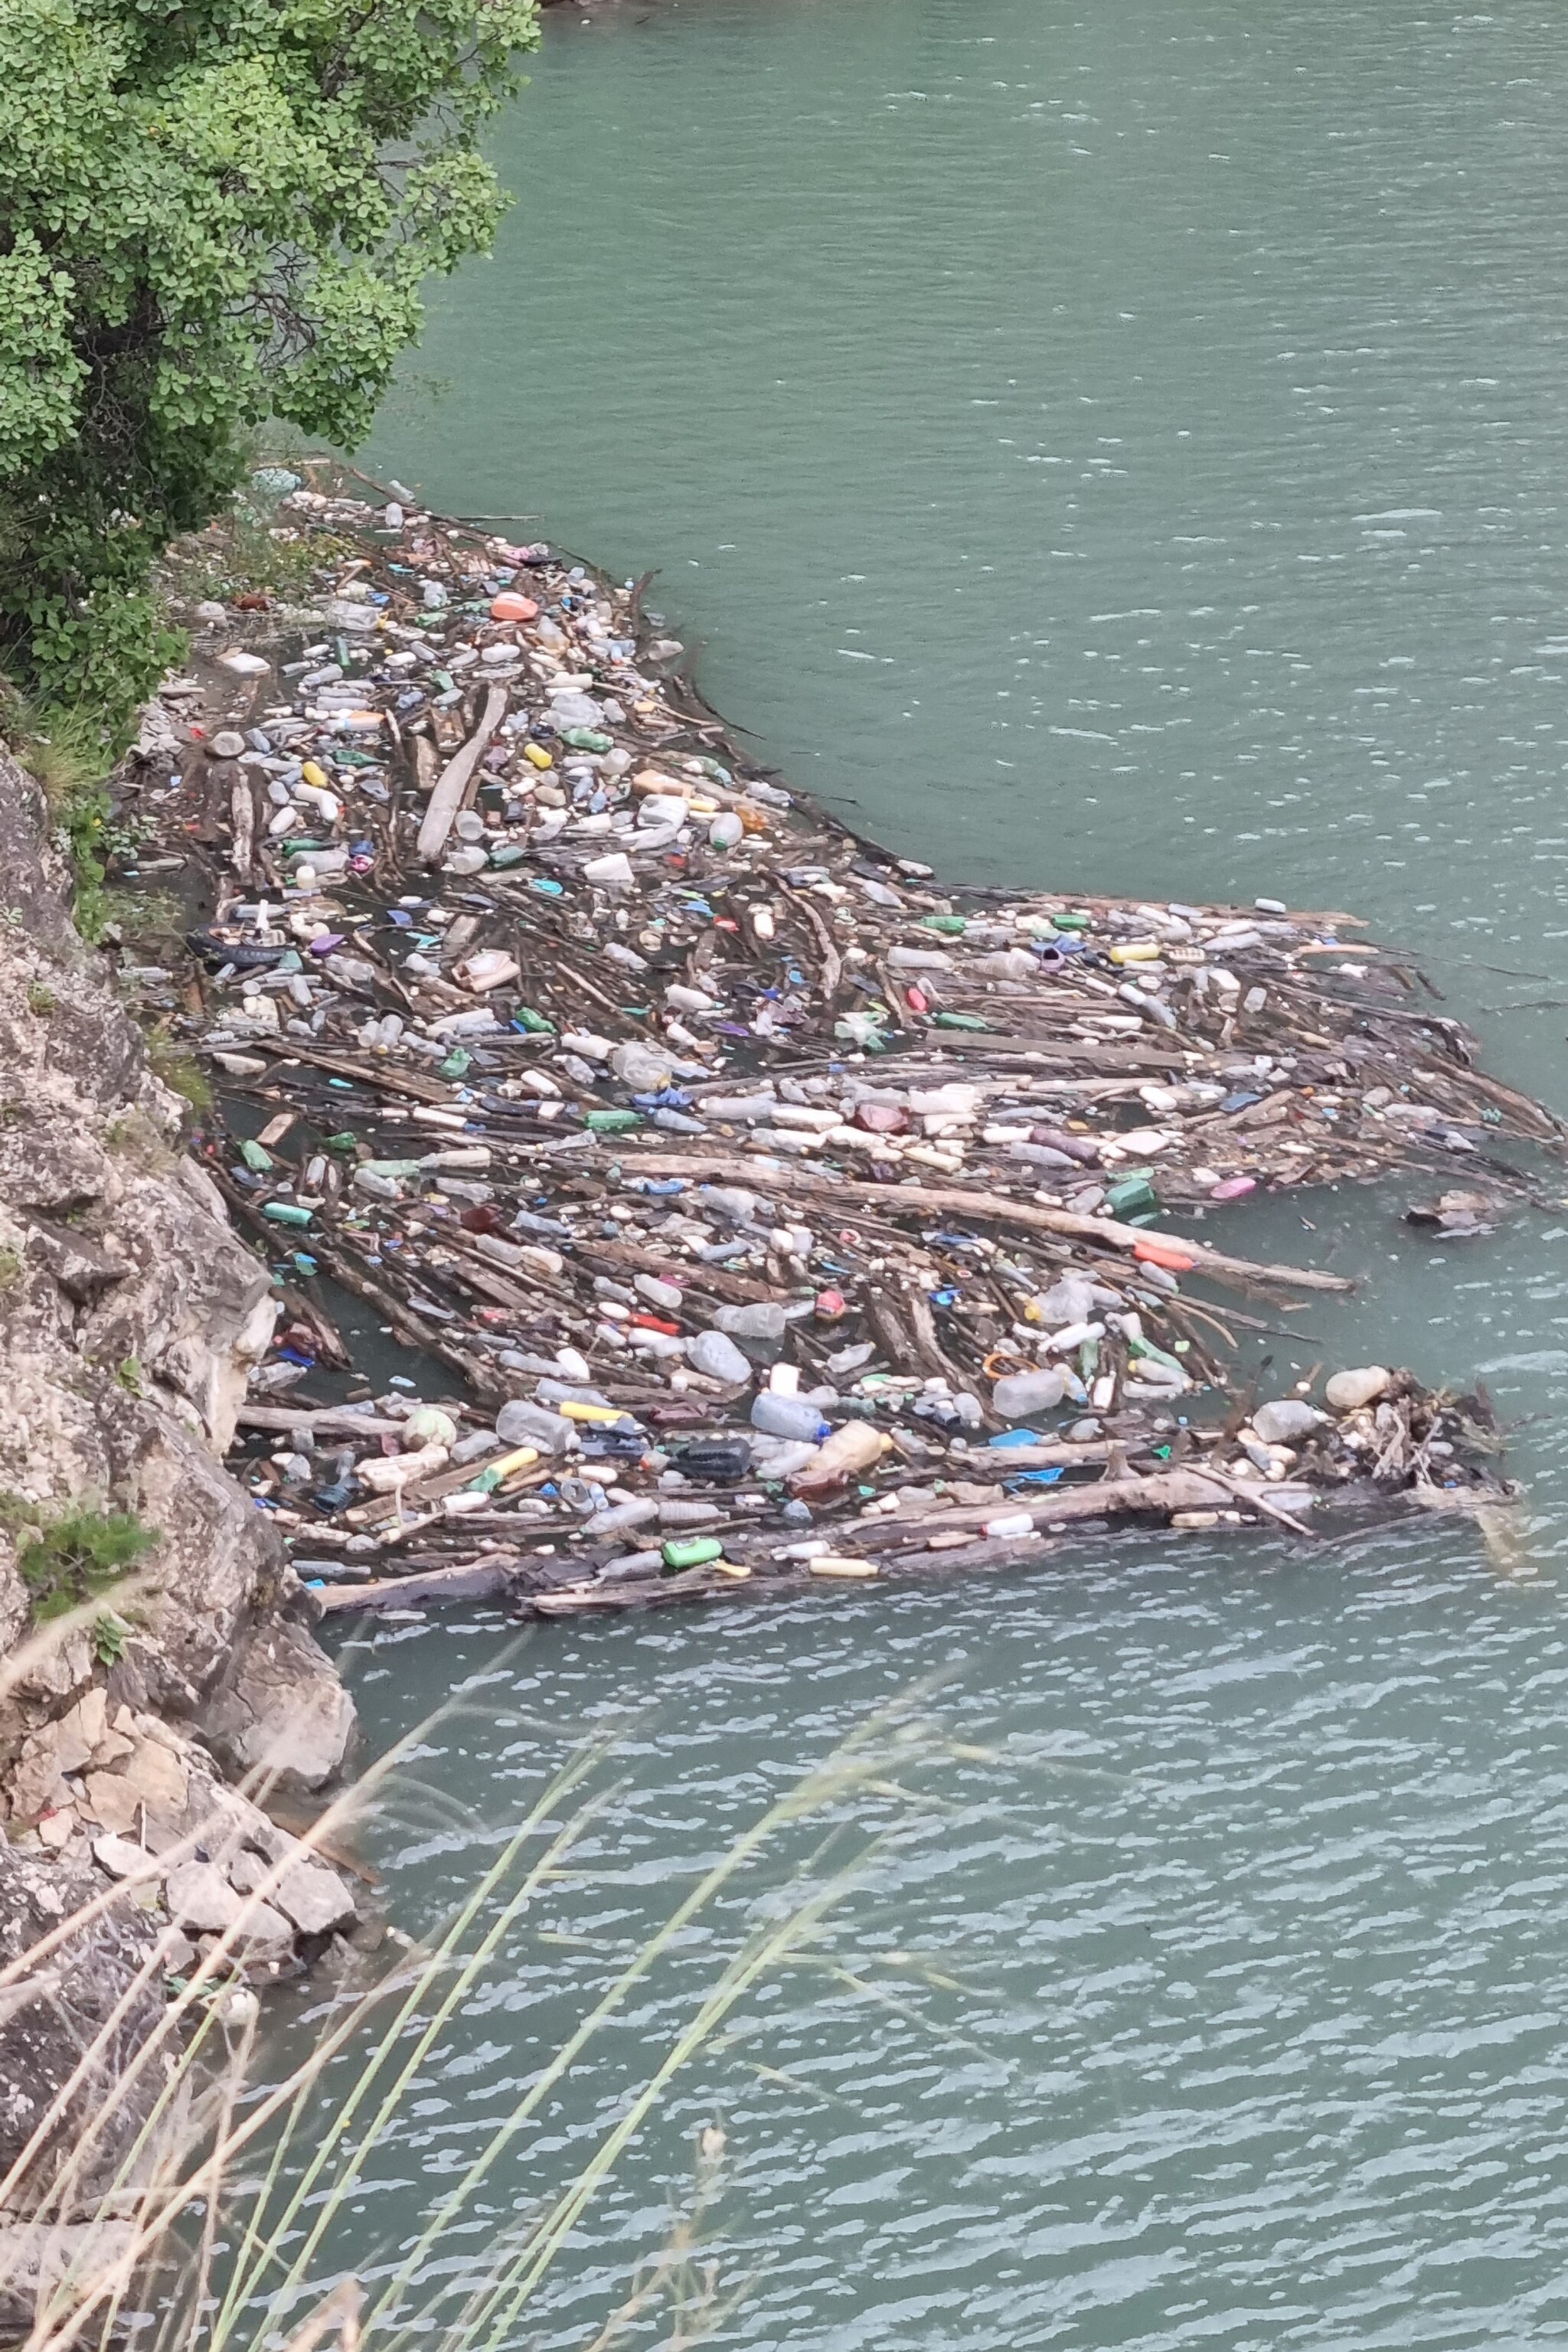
(787, 1416)
(521, 1423)
(1019, 1394)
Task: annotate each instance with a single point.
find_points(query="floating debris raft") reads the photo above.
(763, 1211)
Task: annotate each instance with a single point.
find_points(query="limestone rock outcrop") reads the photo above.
(130, 1319)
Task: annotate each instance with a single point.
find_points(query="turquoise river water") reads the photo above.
(1123, 446)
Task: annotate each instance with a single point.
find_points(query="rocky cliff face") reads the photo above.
(130, 1316)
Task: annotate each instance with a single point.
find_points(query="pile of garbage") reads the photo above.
(758, 1208)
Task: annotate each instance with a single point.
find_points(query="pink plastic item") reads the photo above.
(509, 606)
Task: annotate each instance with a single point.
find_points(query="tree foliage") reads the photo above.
(212, 212)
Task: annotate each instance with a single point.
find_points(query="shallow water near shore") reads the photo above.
(1122, 451)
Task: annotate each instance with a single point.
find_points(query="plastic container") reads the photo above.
(780, 1416)
(721, 1460)
(692, 1551)
(521, 1423)
(762, 1321)
(715, 1355)
(1019, 1394)
(851, 1450)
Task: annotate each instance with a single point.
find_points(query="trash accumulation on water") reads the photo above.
(760, 1211)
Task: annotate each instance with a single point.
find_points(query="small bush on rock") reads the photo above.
(78, 1556)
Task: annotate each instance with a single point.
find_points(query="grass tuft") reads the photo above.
(78, 1556)
(244, 2229)
(66, 749)
(178, 1068)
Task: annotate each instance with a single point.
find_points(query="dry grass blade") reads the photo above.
(227, 2260)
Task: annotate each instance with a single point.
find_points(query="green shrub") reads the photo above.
(79, 1555)
(212, 212)
(67, 749)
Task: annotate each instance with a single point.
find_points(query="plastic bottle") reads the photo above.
(780, 1457)
(781, 1416)
(854, 1448)
(719, 1459)
(1019, 1394)
(712, 1353)
(1008, 1523)
(763, 1321)
(521, 1423)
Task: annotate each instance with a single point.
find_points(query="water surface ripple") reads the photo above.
(1121, 446)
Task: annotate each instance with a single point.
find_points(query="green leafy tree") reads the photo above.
(212, 212)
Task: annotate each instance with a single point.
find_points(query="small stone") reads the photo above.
(265, 1931)
(73, 1741)
(120, 1856)
(1281, 1422)
(226, 745)
(314, 1898)
(57, 1828)
(112, 1801)
(37, 1784)
(1348, 1392)
(248, 1870)
(200, 1897)
(157, 1778)
(210, 613)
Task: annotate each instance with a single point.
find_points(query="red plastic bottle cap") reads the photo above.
(509, 606)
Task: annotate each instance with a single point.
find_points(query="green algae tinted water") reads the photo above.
(1123, 446)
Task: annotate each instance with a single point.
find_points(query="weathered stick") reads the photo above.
(322, 1420)
(1166, 1490)
(472, 1580)
(452, 783)
(1248, 1492)
(995, 1207)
